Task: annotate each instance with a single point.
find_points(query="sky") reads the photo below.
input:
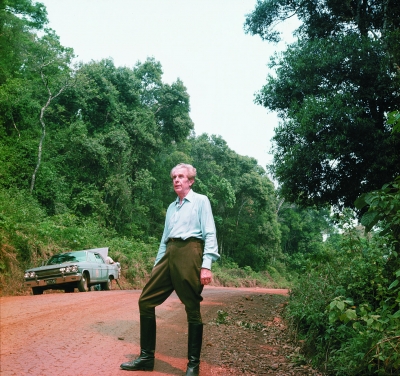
(201, 42)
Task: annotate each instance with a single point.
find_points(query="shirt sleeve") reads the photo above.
(209, 234)
(161, 253)
(163, 246)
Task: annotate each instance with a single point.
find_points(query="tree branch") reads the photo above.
(42, 111)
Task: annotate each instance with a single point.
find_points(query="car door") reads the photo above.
(95, 271)
(102, 267)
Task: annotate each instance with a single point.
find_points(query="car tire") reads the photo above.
(83, 283)
(106, 285)
(37, 291)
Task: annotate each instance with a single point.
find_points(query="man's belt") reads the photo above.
(191, 239)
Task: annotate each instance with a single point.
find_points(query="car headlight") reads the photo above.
(69, 269)
(29, 275)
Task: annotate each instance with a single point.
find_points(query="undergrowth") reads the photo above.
(345, 306)
(229, 274)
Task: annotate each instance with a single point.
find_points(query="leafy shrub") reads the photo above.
(347, 308)
(136, 258)
(228, 273)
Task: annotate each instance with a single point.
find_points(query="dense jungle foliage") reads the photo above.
(336, 90)
(86, 150)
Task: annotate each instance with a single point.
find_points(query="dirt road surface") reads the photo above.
(93, 333)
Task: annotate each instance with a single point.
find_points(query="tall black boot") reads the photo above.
(195, 340)
(145, 362)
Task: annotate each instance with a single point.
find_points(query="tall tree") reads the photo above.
(51, 62)
(169, 103)
(19, 21)
(303, 229)
(32, 72)
(108, 139)
(332, 90)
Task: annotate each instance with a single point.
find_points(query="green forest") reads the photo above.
(86, 150)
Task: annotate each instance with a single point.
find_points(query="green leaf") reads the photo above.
(396, 315)
(394, 284)
(332, 305)
(332, 317)
(369, 220)
(351, 314)
(360, 202)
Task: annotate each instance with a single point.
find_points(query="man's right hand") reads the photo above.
(205, 276)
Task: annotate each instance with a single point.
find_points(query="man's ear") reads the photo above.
(191, 182)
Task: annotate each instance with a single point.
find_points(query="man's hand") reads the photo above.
(205, 276)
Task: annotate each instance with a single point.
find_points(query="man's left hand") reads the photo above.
(205, 276)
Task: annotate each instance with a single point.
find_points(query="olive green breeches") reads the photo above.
(179, 271)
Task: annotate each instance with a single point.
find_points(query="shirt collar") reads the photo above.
(188, 197)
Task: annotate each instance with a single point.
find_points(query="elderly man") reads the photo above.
(183, 264)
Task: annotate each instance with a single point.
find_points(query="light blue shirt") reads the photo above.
(193, 218)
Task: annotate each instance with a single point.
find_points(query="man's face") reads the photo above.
(181, 182)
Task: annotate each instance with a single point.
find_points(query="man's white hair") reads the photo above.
(191, 171)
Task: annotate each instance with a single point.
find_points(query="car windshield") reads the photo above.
(67, 257)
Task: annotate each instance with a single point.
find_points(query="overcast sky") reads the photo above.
(202, 42)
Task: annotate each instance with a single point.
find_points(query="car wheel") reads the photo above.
(37, 290)
(83, 283)
(106, 285)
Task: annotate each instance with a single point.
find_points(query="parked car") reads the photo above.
(77, 269)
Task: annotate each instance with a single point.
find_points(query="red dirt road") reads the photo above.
(93, 333)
